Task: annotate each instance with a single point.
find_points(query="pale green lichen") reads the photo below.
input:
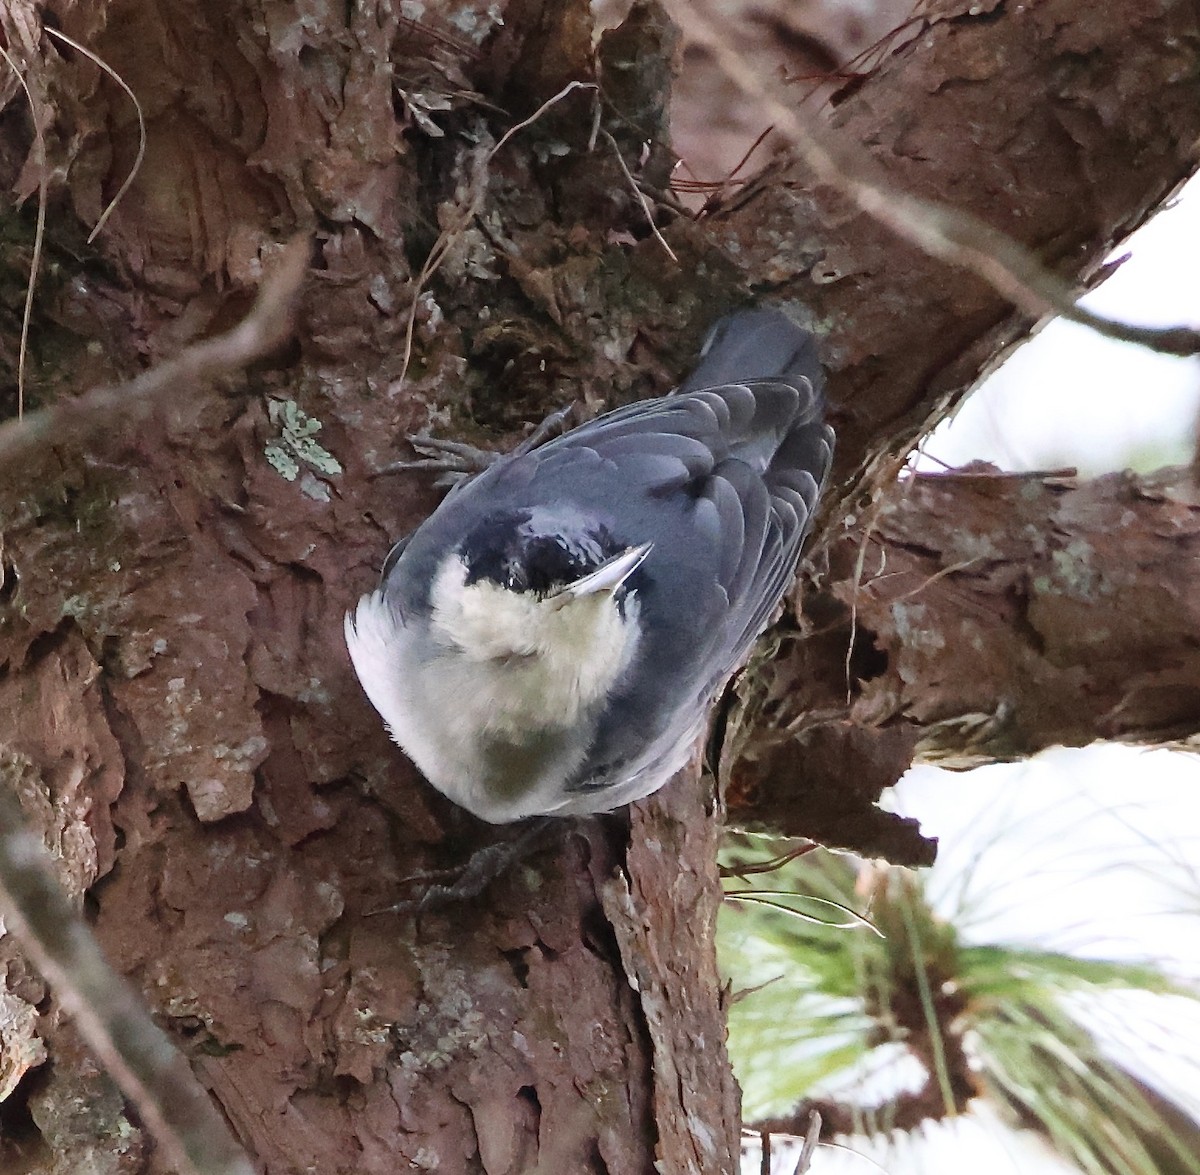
(75, 607)
(313, 487)
(1074, 568)
(296, 443)
(912, 626)
(314, 694)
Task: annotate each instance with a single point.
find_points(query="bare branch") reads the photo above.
(951, 235)
(1003, 615)
(151, 1072)
(269, 323)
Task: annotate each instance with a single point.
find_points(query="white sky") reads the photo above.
(1069, 397)
(1105, 857)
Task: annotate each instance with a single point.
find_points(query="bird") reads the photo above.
(550, 641)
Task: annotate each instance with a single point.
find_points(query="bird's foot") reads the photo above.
(554, 425)
(444, 887)
(452, 461)
(455, 461)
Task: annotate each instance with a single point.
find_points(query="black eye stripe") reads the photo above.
(489, 549)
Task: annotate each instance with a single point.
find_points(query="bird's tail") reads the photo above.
(783, 436)
(755, 344)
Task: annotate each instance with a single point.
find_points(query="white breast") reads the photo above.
(495, 700)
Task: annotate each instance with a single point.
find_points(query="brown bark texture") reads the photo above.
(988, 616)
(177, 709)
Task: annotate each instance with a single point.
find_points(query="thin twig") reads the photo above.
(468, 209)
(770, 899)
(772, 866)
(151, 1072)
(841, 1148)
(953, 569)
(38, 233)
(712, 187)
(641, 198)
(947, 234)
(137, 106)
(268, 324)
(981, 471)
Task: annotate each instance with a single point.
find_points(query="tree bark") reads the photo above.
(975, 617)
(174, 694)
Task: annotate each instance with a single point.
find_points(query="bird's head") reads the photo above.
(525, 584)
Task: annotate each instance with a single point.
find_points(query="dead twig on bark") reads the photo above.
(269, 324)
(948, 234)
(151, 1072)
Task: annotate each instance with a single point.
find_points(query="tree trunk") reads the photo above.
(176, 705)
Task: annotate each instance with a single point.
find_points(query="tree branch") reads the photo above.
(995, 615)
(1010, 121)
(499, 1024)
(941, 231)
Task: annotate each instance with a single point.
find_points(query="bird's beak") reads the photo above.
(608, 576)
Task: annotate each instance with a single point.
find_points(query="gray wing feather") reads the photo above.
(731, 529)
(694, 454)
(752, 515)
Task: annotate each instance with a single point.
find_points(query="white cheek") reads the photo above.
(482, 621)
(445, 708)
(533, 663)
(590, 642)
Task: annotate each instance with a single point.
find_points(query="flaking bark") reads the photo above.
(988, 616)
(173, 678)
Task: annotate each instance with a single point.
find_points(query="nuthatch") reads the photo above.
(550, 639)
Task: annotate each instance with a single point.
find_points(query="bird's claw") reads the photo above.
(456, 461)
(452, 461)
(554, 425)
(445, 887)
